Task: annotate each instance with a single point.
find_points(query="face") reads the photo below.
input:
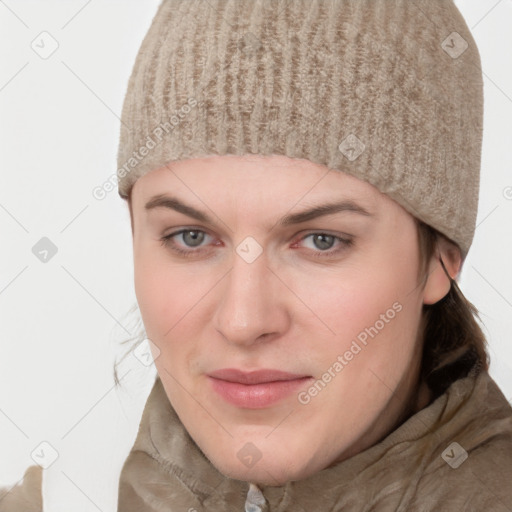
(230, 276)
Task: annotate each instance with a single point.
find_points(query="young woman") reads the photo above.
(302, 180)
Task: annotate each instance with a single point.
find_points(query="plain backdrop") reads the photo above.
(62, 320)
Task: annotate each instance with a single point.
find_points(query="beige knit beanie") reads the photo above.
(389, 91)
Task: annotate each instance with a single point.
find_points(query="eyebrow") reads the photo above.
(172, 203)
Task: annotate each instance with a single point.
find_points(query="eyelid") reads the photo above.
(184, 229)
(298, 237)
(344, 242)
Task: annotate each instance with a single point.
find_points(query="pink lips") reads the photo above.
(257, 389)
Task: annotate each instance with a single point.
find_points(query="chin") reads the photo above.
(276, 472)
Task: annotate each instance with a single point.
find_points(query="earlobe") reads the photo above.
(444, 267)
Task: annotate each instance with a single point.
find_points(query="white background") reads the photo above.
(62, 321)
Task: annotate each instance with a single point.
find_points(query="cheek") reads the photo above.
(150, 293)
(375, 305)
(156, 290)
(166, 294)
(345, 304)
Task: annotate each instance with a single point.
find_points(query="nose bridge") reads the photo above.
(248, 309)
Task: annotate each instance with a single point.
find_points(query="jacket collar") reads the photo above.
(164, 451)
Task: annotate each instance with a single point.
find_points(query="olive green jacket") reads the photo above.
(419, 467)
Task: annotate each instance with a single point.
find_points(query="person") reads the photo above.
(302, 181)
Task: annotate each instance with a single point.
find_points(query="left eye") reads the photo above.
(322, 238)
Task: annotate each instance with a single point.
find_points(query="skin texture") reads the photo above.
(285, 310)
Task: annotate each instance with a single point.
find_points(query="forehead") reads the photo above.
(265, 192)
(274, 177)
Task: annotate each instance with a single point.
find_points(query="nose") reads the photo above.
(253, 305)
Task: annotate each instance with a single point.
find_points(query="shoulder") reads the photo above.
(470, 466)
(474, 480)
(25, 495)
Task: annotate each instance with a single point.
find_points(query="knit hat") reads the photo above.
(388, 91)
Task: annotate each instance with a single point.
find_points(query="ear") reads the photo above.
(438, 283)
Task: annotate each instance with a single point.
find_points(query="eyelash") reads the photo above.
(166, 241)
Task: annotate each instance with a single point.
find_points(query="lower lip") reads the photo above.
(256, 396)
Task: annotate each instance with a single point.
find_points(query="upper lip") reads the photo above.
(255, 377)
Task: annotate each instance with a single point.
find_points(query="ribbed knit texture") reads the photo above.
(384, 90)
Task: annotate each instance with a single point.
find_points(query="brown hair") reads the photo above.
(453, 342)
